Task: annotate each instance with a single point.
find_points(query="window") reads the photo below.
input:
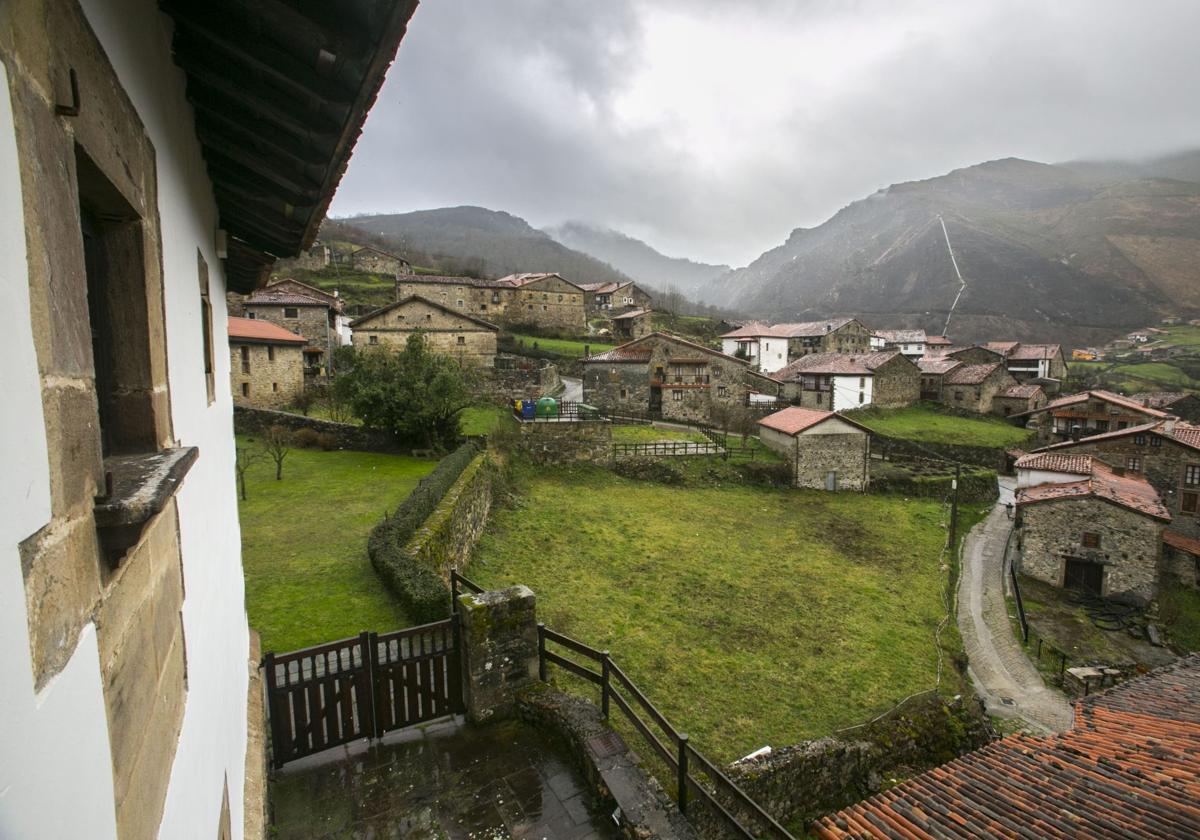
(1133, 463)
(428, 316)
(460, 303)
(1139, 440)
(861, 397)
(677, 396)
(624, 393)
(1188, 502)
(483, 307)
(1155, 442)
(862, 383)
(721, 391)
(270, 352)
(958, 396)
(1090, 539)
(399, 317)
(560, 298)
(252, 315)
(245, 389)
(1191, 475)
(274, 386)
(245, 354)
(545, 308)
(820, 398)
(460, 340)
(291, 312)
(373, 339)
(210, 384)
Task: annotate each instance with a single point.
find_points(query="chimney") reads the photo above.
(1168, 425)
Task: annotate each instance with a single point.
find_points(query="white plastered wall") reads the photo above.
(846, 390)
(55, 762)
(212, 745)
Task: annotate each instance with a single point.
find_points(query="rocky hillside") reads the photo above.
(1072, 252)
(636, 259)
(475, 240)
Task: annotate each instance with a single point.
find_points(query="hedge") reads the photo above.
(420, 589)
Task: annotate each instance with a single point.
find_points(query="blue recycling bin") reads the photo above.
(528, 409)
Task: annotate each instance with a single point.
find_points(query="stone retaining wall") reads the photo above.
(972, 487)
(898, 449)
(566, 442)
(522, 378)
(252, 421)
(445, 540)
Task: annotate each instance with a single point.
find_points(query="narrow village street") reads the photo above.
(572, 389)
(1000, 671)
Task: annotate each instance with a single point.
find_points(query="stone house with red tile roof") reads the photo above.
(266, 365)
(844, 381)
(825, 450)
(1128, 767)
(1183, 405)
(632, 324)
(773, 346)
(1181, 558)
(973, 387)
(1101, 535)
(668, 376)
(1018, 399)
(933, 371)
(543, 300)
(469, 341)
(1087, 413)
(1165, 452)
(612, 296)
(312, 315)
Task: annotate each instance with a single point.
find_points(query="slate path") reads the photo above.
(444, 781)
(1000, 671)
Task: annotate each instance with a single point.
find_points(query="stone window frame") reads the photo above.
(295, 310)
(677, 395)
(270, 352)
(1133, 463)
(1090, 539)
(372, 339)
(460, 340)
(1191, 475)
(1189, 502)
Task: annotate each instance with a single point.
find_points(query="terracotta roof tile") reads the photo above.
(1031, 352)
(1023, 392)
(1187, 434)
(634, 313)
(937, 340)
(937, 364)
(279, 297)
(1056, 462)
(835, 364)
(795, 419)
(263, 332)
(1129, 491)
(1105, 396)
(1130, 767)
(1158, 399)
(804, 329)
(971, 374)
(1181, 542)
(902, 336)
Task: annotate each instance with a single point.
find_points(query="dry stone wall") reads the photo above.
(568, 442)
(252, 421)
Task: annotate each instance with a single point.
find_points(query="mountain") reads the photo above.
(1071, 252)
(478, 240)
(635, 258)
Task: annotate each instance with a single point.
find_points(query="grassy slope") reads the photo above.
(480, 420)
(750, 616)
(304, 544)
(649, 434)
(926, 424)
(1179, 608)
(562, 346)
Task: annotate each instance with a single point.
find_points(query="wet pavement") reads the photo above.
(445, 780)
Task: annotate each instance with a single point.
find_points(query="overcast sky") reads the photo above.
(712, 128)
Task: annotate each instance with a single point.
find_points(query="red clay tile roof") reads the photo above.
(1158, 399)
(457, 313)
(451, 280)
(939, 340)
(835, 364)
(640, 349)
(1187, 435)
(1004, 348)
(261, 332)
(1183, 433)
(793, 420)
(623, 353)
(1056, 462)
(1182, 543)
(1023, 392)
(633, 313)
(311, 291)
(797, 330)
(379, 251)
(1129, 491)
(937, 364)
(902, 336)
(519, 280)
(603, 288)
(971, 374)
(1130, 768)
(1106, 396)
(1031, 352)
(279, 297)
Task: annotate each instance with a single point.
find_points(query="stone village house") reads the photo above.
(1018, 399)
(826, 451)
(663, 374)
(313, 316)
(371, 260)
(266, 366)
(447, 332)
(601, 298)
(632, 324)
(909, 342)
(773, 347)
(843, 381)
(973, 387)
(142, 178)
(933, 371)
(1100, 534)
(546, 301)
(1183, 405)
(1087, 413)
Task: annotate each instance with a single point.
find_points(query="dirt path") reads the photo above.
(1000, 671)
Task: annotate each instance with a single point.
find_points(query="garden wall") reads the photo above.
(522, 378)
(813, 778)
(974, 486)
(445, 540)
(566, 442)
(252, 421)
(895, 449)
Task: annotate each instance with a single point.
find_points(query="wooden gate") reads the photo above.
(335, 693)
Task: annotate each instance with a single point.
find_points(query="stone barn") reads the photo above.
(376, 261)
(825, 450)
(447, 332)
(266, 363)
(1101, 535)
(973, 387)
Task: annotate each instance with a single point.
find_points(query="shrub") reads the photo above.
(649, 469)
(327, 441)
(774, 474)
(306, 438)
(420, 589)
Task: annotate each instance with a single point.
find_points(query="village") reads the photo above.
(310, 537)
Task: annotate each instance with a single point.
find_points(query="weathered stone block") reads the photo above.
(73, 444)
(499, 649)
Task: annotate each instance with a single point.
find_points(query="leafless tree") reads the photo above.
(277, 442)
(245, 457)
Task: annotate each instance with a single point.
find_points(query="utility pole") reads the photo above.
(954, 505)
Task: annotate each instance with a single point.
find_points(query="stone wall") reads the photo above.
(446, 539)
(275, 377)
(979, 397)
(370, 261)
(546, 304)
(613, 386)
(1182, 566)
(805, 781)
(899, 449)
(974, 486)
(1129, 551)
(522, 378)
(312, 322)
(499, 650)
(252, 421)
(1007, 406)
(447, 333)
(847, 455)
(897, 383)
(565, 442)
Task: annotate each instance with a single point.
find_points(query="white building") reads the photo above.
(1052, 468)
(131, 199)
(909, 342)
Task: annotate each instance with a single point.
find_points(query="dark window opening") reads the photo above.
(206, 328)
(245, 389)
(291, 312)
(1091, 540)
(245, 354)
(374, 339)
(270, 352)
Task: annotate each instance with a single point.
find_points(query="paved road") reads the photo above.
(1000, 670)
(572, 389)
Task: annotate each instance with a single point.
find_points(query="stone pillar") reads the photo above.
(499, 648)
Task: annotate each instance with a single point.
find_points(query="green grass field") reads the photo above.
(650, 434)
(304, 543)
(563, 346)
(926, 424)
(480, 420)
(749, 616)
